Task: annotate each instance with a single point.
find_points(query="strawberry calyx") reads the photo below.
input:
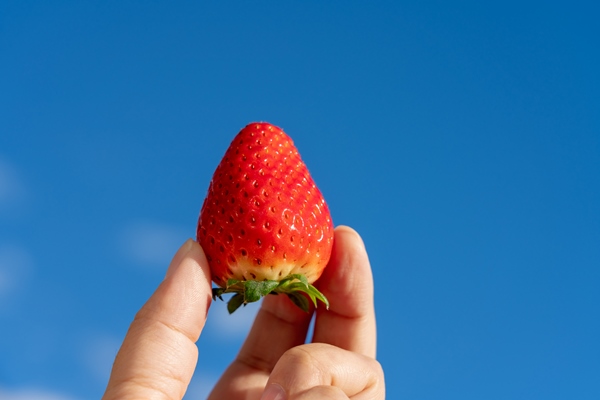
(249, 291)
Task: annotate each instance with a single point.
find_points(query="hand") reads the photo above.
(158, 355)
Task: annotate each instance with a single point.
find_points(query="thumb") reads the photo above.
(158, 356)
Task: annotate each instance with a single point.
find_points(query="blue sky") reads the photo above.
(461, 139)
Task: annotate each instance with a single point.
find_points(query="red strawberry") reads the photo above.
(264, 225)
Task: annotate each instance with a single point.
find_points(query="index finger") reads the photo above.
(348, 284)
(158, 356)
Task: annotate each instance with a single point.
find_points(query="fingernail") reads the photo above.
(274, 392)
(178, 257)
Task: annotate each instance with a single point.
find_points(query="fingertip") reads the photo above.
(346, 228)
(197, 253)
(178, 257)
(184, 297)
(350, 235)
(349, 263)
(190, 250)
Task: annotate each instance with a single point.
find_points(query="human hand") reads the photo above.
(158, 355)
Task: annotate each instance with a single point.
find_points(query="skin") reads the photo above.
(159, 355)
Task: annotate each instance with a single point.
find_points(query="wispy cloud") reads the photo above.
(12, 188)
(151, 243)
(32, 394)
(98, 355)
(15, 267)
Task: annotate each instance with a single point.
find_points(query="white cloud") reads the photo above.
(151, 243)
(31, 394)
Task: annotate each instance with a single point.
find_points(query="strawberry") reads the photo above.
(264, 224)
